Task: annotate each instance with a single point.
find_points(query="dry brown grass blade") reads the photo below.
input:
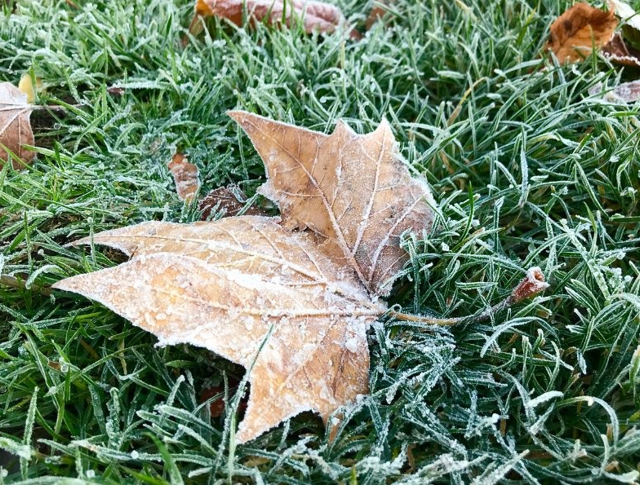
(352, 191)
(15, 127)
(254, 293)
(580, 29)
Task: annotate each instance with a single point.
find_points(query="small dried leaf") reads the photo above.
(217, 406)
(185, 175)
(623, 49)
(228, 200)
(15, 127)
(580, 29)
(628, 92)
(623, 93)
(116, 91)
(619, 52)
(253, 292)
(26, 86)
(315, 15)
(377, 12)
(353, 191)
(532, 284)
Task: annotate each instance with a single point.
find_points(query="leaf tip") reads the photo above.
(343, 128)
(247, 120)
(384, 128)
(78, 242)
(241, 116)
(67, 284)
(236, 113)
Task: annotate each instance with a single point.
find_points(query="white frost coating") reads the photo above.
(547, 396)
(149, 319)
(351, 345)
(268, 191)
(255, 243)
(252, 282)
(273, 155)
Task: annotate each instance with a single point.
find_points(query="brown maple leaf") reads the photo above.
(292, 307)
(316, 16)
(579, 29)
(353, 191)
(15, 127)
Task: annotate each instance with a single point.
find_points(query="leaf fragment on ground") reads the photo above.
(186, 178)
(229, 201)
(253, 292)
(628, 92)
(316, 16)
(579, 30)
(15, 126)
(378, 11)
(217, 406)
(27, 86)
(628, 15)
(624, 48)
(352, 191)
(620, 52)
(622, 93)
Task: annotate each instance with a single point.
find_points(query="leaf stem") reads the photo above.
(532, 284)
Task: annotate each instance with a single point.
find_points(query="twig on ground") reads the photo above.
(532, 284)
